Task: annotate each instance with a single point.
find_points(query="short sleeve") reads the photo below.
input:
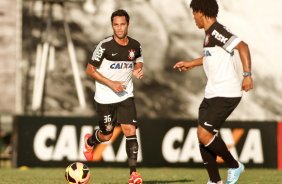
(98, 55)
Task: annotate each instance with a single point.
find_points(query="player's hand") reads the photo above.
(247, 83)
(117, 86)
(182, 66)
(138, 73)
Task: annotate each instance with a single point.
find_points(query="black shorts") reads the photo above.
(109, 115)
(214, 111)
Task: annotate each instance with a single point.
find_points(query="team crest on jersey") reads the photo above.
(207, 39)
(131, 54)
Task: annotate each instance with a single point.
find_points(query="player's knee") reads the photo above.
(105, 137)
(129, 129)
(204, 136)
(106, 133)
(200, 132)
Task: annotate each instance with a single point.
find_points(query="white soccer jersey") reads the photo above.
(115, 62)
(219, 63)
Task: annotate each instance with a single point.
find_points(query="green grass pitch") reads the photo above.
(121, 175)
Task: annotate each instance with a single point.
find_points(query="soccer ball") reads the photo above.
(77, 173)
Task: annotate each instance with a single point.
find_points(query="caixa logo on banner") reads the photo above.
(178, 147)
(50, 147)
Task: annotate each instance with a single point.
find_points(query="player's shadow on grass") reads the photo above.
(167, 181)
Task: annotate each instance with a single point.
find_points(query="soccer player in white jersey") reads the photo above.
(115, 60)
(223, 89)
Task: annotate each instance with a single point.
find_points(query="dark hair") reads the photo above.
(208, 7)
(121, 13)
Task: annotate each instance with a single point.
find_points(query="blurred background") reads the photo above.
(45, 47)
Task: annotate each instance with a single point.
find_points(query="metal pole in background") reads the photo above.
(73, 60)
(41, 69)
(46, 51)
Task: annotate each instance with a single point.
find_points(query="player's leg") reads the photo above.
(209, 161)
(216, 145)
(106, 120)
(218, 111)
(126, 116)
(209, 157)
(129, 131)
(131, 145)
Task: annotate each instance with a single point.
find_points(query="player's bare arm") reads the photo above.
(138, 71)
(244, 52)
(116, 86)
(186, 65)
